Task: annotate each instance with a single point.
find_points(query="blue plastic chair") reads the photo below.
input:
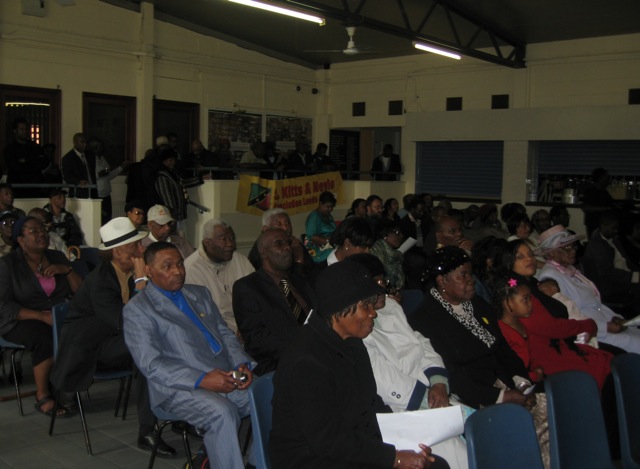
(625, 369)
(59, 312)
(502, 435)
(14, 348)
(260, 394)
(577, 434)
(167, 419)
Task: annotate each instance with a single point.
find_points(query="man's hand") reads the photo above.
(466, 244)
(437, 396)
(616, 326)
(245, 369)
(220, 381)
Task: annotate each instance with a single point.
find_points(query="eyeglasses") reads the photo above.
(7, 222)
(396, 232)
(137, 212)
(569, 247)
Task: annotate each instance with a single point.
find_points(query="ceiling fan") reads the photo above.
(351, 49)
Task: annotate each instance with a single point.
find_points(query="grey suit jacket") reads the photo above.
(168, 348)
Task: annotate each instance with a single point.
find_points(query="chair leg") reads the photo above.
(84, 424)
(15, 381)
(154, 450)
(125, 405)
(185, 441)
(119, 399)
(55, 412)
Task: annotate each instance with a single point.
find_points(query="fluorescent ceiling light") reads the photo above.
(435, 50)
(281, 10)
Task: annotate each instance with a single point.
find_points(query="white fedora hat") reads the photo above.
(118, 232)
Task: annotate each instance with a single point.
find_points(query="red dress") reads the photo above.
(537, 351)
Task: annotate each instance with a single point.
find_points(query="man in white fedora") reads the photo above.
(161, 225)
(92, 337)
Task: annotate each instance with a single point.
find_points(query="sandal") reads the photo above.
(62, 411)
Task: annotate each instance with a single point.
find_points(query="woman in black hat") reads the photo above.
(325, 401)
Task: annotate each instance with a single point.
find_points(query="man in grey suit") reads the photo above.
(184, 348)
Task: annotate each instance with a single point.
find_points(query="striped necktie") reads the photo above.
(295, 307)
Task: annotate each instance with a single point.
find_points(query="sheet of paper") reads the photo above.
(408, 244)
(632, 322)
(405, 430)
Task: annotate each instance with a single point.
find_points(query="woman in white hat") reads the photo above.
(559, 249)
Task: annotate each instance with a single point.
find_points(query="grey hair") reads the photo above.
(269, 214)
(210, 225)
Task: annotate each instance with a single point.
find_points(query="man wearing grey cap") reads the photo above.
(161, 225)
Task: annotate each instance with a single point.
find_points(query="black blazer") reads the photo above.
(395, 168)
(264, 317)
(19, 287)
(74, 171)
(95, 315)
(473, 367)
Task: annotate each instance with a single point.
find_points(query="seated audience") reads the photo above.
(535, 335)
(558, 247)
(136, 213)
(91, 337)
(605, 265)
(217, 265)
(484, 259)
(325, 401)
(63, 222)
(358, 208)
(7, 220)
(6, 200)
(188, 359)
(161, 226)
(483, 369)
(272, 303)
(320, 226)
(448, 232)
(374, 207)
(510, 209)
(353, 236)
(390, 209)
(415, 225)
(487, 224)
(630, 240)
(388, 240)
(55, 241)
(409, 373)
(541, 221)
(33, 279)
(278, 218)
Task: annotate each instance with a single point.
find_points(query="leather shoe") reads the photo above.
(194, 432)
(148, 441)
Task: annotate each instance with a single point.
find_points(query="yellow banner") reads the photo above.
(295, 195)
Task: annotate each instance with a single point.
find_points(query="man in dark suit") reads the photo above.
(79, 167)
(299, 160)
(271, 304)
(92, 337)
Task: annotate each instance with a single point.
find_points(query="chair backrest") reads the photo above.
(411, 299)
(502, 435)
(625, 369)
(260, 394)
(59, 312)
(577, 435)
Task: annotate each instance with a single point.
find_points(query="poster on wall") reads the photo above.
(294, 195)
(235, 131)
(284, 131)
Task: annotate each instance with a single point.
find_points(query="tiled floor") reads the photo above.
(25, 443)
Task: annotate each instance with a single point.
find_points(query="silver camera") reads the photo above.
(239, 375)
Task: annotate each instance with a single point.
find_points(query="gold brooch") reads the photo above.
(485, 320)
